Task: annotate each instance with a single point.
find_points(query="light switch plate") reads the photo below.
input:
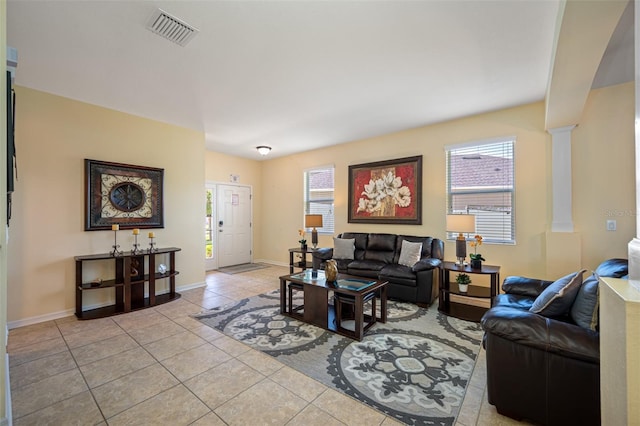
(611, 225)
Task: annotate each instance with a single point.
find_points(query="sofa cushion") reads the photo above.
(397, 271)
(584, 310)
(366, 265)
(344, 248)
(410, 253)
(382, 242)
(361, 242)
(557, 298)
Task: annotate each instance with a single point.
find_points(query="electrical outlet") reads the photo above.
(611, 225)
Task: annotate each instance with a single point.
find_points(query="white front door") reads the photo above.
(234, 225)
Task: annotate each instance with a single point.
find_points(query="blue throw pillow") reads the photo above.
(584, 311)
(557, 299)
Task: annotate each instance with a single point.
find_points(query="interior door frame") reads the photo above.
(211, 264)
(216, 184)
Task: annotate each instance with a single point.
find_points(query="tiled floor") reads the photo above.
(159, 366)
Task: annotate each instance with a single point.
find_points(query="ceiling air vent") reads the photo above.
(171, 28)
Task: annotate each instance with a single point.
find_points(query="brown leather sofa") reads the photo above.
(543, 370)
(377, 255)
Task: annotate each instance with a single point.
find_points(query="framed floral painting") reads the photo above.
(386, 192)
(122, 194)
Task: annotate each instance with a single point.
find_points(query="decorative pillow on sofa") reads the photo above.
(585, 308)
(556, 300)
(343, 248)
(410, 253)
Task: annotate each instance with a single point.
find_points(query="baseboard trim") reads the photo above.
(190, 286)
(68, 312)
(40, 318)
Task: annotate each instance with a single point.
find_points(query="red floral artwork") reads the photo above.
(386, 192)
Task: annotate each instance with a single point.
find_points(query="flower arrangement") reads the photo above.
(302, 240)
(477, 242)
(388, 187)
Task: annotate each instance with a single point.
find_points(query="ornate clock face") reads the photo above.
(125, 196)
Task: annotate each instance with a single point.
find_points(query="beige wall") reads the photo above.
(603, 181)
(603, 154)
(219, 167)
(525, 122)
(54, 136)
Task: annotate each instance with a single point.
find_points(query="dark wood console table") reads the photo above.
(129, 282)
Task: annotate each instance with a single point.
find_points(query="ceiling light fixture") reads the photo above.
(263, 149)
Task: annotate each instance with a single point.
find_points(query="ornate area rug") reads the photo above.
(415, 368)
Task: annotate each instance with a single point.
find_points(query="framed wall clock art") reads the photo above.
(386, 192)
(123, 194)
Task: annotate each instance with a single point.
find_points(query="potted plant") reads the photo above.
(463, 282)
(302, 240)
(476, 258)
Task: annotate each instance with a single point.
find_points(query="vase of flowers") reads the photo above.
(302, 240)
(463, 282)
(476, 258)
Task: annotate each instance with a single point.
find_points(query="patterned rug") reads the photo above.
(415, 368)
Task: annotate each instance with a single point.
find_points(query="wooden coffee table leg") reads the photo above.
(283, 296)
(383, 304)
(359, 317)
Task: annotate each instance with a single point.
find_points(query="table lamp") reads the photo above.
(461, 223)
(313, 221)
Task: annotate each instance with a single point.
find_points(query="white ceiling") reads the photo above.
(294, 75)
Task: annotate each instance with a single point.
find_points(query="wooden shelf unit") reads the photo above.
(129, 282)
(303, 263)
(462, 310)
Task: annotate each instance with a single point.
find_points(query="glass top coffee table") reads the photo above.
(316, 299)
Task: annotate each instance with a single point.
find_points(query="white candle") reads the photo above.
(115, 227)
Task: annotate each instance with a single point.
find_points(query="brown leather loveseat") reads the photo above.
(545, 367)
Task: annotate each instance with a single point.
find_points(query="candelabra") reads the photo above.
(116, 246)
(136, 246)
(152, 245)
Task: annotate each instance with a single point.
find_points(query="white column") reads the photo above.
(561, 178)
(634, 245)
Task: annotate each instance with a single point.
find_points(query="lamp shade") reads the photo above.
(461, 223)
(313, 221)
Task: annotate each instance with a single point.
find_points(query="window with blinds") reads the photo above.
(480, 181)
(318, 196)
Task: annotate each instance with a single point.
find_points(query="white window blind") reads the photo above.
(480, 181)
(318, 196)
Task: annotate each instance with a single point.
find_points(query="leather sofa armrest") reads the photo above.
(524, 286)
(426, 264)
(534, 330)
(321, 255)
